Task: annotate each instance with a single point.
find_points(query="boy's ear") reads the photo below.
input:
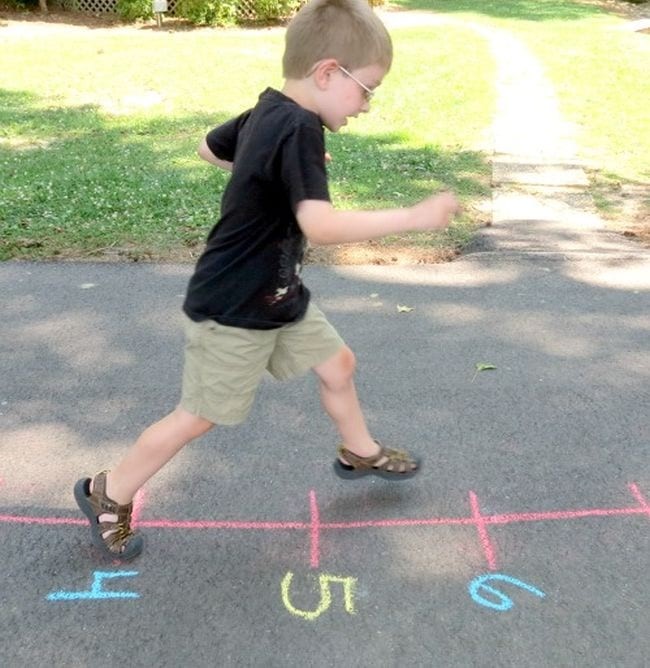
(323, 71)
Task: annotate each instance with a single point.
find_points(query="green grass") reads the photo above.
(601, 74)
(98, 134)
(98, 130)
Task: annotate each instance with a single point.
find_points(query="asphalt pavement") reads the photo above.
(524, 541)
(520, 373)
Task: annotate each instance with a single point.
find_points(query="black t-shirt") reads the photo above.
(249, 274)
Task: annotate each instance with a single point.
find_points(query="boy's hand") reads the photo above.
(435, 212)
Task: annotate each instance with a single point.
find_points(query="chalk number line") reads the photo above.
(315, 526)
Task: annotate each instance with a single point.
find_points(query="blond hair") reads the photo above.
(346, 30)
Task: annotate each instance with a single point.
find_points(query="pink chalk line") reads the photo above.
(636, 493)
(22, 519)
(314, 556)
(486, 543)
(220, 524)
(314, 526)
(138, 505)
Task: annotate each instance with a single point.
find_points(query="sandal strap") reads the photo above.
(118, 537)
(102, 502)
(115, 533)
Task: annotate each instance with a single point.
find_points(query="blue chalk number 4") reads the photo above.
(96, 592)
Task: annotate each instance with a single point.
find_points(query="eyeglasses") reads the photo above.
(367, 93)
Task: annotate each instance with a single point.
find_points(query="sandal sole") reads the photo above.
(136, 544)
(354, 473)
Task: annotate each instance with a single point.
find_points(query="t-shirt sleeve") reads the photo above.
(303, 165)
(222, 141)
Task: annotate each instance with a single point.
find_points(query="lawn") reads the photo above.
(99, 129)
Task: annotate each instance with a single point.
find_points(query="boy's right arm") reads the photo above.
(205, 152)
(322, 224)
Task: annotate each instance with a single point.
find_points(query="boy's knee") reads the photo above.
(348, 362)
(340, 369)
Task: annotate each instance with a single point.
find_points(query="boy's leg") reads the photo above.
(304, 345)
(360, 453)
(339, 398)
(154, 448)
(107, 499)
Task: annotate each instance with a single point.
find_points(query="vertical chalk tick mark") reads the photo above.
(138, 505)
(314, 553)
(636, 493)
(481, 527)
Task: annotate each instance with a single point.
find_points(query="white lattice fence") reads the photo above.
(95, 6)
(245, 10)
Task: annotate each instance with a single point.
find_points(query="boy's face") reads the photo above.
(348, 93)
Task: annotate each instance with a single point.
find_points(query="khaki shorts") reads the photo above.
(224, 365)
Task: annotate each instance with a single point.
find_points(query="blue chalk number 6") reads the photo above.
(478, 586)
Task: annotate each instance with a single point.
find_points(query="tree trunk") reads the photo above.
(43, 5)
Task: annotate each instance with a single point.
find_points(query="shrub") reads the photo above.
(267, 10)
(208, 12)
(131, 10)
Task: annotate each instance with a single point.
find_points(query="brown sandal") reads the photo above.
(387, 463)
(114, 538)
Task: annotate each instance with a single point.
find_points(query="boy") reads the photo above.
(247, 307)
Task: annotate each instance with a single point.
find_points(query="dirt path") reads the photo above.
(541, 199)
